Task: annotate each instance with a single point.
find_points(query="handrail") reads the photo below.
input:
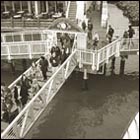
(129, 125)
(33, 99)
(68, 7)
(108, 45)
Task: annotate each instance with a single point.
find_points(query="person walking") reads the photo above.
(44, 67)
(58, 52)
(25, 85)
(110, 34)
(90, 26)
(54, 62)
(84, 25)
(131, 33)
(125, 40)
(17, 96)
(95, 40)
(63, 56)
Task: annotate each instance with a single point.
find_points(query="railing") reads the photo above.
(26, 49)
(132, 131)
(105, 53)
(24, 121)
(68, 7)
(128, 45)
(43, 23)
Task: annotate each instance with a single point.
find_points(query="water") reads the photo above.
(101, 112)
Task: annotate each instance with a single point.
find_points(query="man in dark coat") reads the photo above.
(54, 62)
(25, 85)
(63, 56)
(44, 67)
(110, 33)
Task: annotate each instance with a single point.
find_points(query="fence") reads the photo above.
(27, 49)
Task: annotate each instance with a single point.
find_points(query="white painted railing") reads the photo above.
(105, 53)
(128, 46)
(27, 49)
(24, 121)
(132, 131)
(68, 7)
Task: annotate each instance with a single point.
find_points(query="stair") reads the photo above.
(72, 11)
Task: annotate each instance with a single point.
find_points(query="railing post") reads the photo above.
(93, 61)
(80, 59)
(30, 51)
(118, 45)
(8, 50)
(67, 67)
(98, 60)
(24, 123)
(50, 88)
(16, 131)
(22, 37)
(107, 55)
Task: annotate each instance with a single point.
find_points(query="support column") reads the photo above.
(113, 66)
(104, 69)
(36, 7)
(12, 64)
(47, 8)
(85, 78)
(13, 6)
(55, 6)
(20, 2)
(5, 7)
(29, 7)
(122, 65)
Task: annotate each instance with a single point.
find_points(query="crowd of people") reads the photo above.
(14, 100)
(94, 38)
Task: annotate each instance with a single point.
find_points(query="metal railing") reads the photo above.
(129, 45)
(24, 121)
(132, 131)
(33, 23)
(26, 49)
(105, 53)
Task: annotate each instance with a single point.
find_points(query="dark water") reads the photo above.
(101, 112)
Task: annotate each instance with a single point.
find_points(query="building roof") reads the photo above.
(64, 24)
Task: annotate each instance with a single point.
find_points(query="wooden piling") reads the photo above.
(122, 65)
(113, 65)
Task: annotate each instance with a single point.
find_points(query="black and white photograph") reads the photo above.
(69, 69)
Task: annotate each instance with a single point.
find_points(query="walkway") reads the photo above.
(116, 19)
(95, 17)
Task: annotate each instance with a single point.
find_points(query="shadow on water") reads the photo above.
(101, 112)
